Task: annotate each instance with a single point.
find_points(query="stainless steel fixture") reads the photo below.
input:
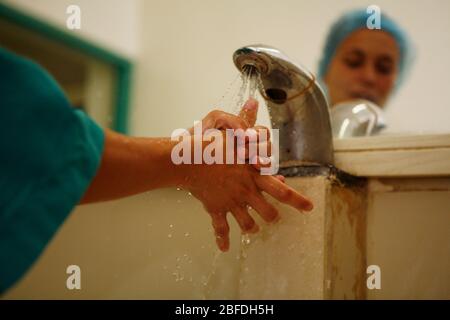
(297, 105)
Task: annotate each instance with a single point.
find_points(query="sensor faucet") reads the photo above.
(297, 105)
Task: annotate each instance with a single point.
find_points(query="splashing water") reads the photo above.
(247, 84)
(250, 82)
(231, 87)
(245, 239)
(243, 87)
(207, 283)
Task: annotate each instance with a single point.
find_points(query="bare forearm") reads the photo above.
(132, 165)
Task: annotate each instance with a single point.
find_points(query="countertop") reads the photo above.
(394, 155)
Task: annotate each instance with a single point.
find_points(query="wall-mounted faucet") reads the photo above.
(297, 105)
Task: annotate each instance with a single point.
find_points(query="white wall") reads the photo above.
(111, 23)
(185, 62)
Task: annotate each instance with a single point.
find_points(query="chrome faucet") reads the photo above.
(297, 105)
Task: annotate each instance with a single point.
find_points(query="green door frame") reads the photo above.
(122, 66)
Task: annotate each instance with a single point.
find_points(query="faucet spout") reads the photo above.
(297, 105)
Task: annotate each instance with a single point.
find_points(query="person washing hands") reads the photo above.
(54, 157)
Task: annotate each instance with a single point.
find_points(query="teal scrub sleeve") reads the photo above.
(49, 154)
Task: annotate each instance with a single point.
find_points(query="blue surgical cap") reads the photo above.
(355, 20)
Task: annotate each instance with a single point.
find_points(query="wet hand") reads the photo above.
(245, 121)
(234, 188)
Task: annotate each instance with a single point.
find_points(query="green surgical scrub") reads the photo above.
(49, 154)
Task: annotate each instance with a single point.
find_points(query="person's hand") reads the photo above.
(221, 120)
(224, 188)
(246, 119)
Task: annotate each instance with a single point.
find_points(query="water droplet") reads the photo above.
(246, 239)
(186, 234)
(170, 225)
(178, 189)
(189, 194)
(169, 235)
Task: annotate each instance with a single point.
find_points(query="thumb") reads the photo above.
(249, 112)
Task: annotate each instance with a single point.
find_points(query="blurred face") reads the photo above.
(364, 66)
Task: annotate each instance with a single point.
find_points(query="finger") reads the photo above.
(283, 193)
(259, 162)
(249, 112)
(255, 142)
(264, 209)
(221, 231)
(263, 133)
(247, 137)
(245, 221)
(222, 120)
(258, 134)
(258, 153)
(265, 149)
